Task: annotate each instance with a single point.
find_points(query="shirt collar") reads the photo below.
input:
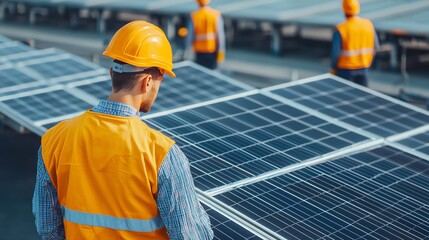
(116, 108)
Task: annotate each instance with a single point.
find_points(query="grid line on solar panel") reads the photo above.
(46, 105)
(59, 66)
(9, 48)
(12, 78)
(355, 105)
(380, 193)
(31, 55)
(192, 85)
(225, 228)
(416, 144)
(244, 137)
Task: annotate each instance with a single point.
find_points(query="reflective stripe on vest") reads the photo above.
(357, 52)
(358, 37)
(199, 37)
(100, 220)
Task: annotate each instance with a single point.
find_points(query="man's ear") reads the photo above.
(111, 72)
(146, 83)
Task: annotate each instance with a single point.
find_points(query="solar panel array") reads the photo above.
(248, 136)
(39, 88)
(377, 194)
(296, 161)
(363, 109)
(317, 158)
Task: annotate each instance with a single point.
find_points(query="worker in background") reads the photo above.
(206, 35)
(353, 45)
(105, 174)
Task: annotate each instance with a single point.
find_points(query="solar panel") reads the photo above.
(4, 39)
(11, 78)
(418, 143)
(13, 47)
(99, 90)
(193, 84)
(359, 107)
(60, 66)
(235, 139)
(47, 105)
(225, 228)
(378, 194)
(30, 55)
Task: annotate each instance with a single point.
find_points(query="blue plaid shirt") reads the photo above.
(177, 202)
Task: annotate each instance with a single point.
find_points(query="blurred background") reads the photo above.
(268, 42)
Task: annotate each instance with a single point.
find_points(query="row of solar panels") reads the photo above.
(391, 15)
(38, 88)
(266, 155)
(261, 158)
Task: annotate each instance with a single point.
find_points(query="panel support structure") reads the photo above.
(276, 40)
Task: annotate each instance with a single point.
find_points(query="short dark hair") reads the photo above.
(127, 80)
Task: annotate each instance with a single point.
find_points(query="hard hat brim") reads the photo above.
(170, 73)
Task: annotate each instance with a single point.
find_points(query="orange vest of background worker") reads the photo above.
(105, 174)
(206, 35)
(353, 45)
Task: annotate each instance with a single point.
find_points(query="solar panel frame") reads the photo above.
(383, 131)
(235, 218)
(30, 55)
(415, 142)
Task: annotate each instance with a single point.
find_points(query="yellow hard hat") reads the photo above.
(203, 2)
(141, 44)
(351, 7)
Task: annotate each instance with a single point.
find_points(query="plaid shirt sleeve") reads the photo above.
(46, 208)
(177, 201)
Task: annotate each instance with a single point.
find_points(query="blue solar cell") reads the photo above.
(8, 48)
(242, 133)
(47, 105)
(379, 193)
(100, 90)
(419, 142)
(355, 107)
(191, 86)
(225, 228)
(12, 77)
(59, 68)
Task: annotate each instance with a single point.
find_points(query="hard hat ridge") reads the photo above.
(141, 44)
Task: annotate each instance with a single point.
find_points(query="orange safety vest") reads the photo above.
(357, 36)
(205, 22)
(105, 171)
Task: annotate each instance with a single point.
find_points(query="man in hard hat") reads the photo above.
(206, 35)
(353, 45)
(105, 174)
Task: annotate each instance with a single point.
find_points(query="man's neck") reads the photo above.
(128, 99)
